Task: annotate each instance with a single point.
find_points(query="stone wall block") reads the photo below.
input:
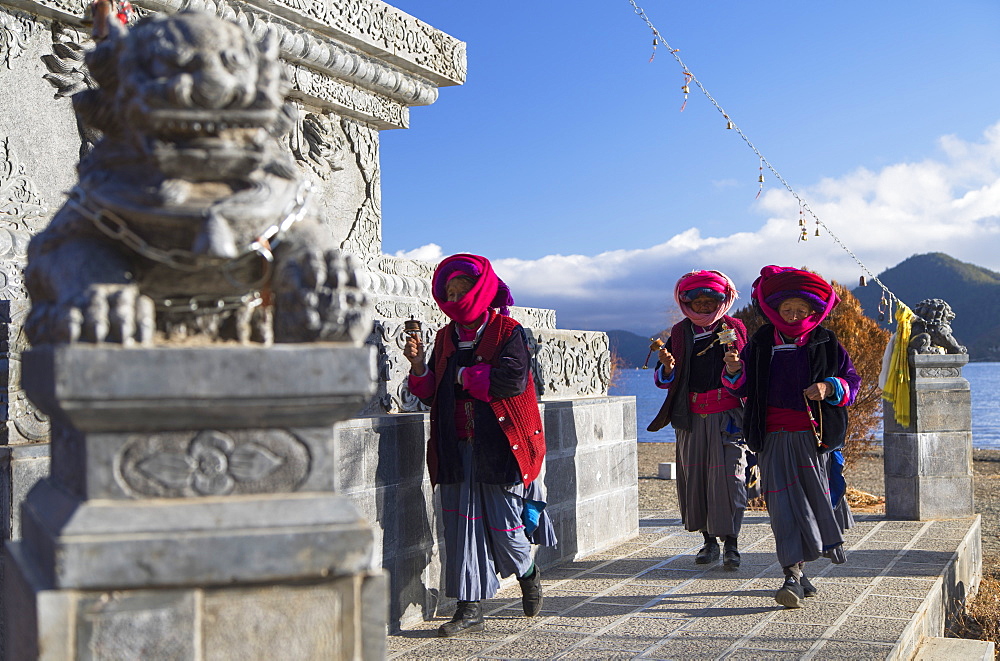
(562, 487)
(630, 422)
(946, 497)
(902, 497)
(946, 454)
(374, 599)
(21, 466)
(943, 410)
(901, 454)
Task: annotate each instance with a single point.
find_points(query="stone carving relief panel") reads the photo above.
(570, 363)
(16, 29)
(940, 372)
(25, 423)
(318, 143)
(22, 212)
(212, 463)
(365, 236)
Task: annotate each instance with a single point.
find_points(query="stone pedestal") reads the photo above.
(928, 464)
(192, 508)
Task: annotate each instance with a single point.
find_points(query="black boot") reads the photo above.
(531, 592)
(468, 617)
(708, 553)
(731, 554)
(808, 589)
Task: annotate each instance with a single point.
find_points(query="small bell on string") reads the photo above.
(685, 89)
(862, 282)
(802, 221)
(729, 124)
(760, 179)
(804, 236)
(817, 230)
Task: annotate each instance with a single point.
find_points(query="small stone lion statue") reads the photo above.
(931, 329)
(189, 219)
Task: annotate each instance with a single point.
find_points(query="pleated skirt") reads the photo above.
(711, 481)
(795, 485)
(484, 532)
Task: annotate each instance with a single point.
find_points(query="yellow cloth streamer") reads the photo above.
(897, 377)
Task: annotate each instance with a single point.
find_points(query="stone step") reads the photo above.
(947, 649)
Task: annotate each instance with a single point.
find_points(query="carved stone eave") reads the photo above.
(383, 31)
(368, 69)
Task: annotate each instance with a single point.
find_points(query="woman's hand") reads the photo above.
(667, 360)
(413, 351)
(818, 391)
(733, 363)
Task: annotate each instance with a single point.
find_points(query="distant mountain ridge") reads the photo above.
(973, 292)
(631, 348)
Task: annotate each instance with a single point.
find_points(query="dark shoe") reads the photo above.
(790, 594)
(708, 554)
(531, 593)
(808, 589)
(731, 558)
(468, 617)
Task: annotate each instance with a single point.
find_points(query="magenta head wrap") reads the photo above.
(488, 292)
(712, 281)
(779, 283)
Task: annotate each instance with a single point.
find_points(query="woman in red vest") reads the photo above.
(486, 444)
(711, 490)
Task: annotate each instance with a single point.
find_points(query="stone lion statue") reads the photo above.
(931, 329)
(189, 218)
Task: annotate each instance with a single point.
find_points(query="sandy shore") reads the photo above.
(866, 474)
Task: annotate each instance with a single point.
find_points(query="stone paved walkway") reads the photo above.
(647, 599)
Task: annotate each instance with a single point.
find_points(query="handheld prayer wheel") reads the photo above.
(655, 344)
(727, 336)
(411, 327)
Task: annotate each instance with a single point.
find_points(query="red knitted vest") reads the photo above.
(517, 416)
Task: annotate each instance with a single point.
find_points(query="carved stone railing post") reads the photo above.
(928, 464)
(192, 508)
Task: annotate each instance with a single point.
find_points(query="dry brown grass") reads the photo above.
(980, 619)
(860, 502)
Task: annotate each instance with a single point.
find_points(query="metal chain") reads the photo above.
(658, 38)
(205, 304)
(115, 227)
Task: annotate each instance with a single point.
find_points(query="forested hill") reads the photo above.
(972, 291)
(631, 348)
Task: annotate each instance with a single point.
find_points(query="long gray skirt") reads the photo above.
(484, 533)
(711, 488)
(795, 485)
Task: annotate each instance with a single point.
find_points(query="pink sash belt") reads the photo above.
(713, 401)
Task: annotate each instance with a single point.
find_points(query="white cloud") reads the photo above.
(950, 204)
(428, 253)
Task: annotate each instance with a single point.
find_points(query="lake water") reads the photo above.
(984, 379)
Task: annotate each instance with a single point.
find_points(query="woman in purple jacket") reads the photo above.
(797, 380)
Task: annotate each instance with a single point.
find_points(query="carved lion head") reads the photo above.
(199, 95)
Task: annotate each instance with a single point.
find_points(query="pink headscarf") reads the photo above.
(488, 292)
(778, 283)
(713, 280)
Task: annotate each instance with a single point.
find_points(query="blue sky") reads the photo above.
(565, 160)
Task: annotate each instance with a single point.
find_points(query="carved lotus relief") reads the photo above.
(212, 463)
